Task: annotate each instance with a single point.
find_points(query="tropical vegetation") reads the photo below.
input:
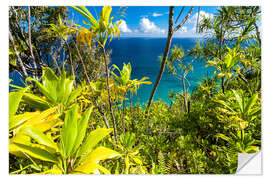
(74, 112)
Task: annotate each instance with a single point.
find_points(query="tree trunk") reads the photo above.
(109, 94)
(30, 44)
(164, 59)
(167, 49)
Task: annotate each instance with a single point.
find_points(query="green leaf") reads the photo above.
(36, 151)
(43, 90)
(64, 88)
(74, 94)
(252, 149)
(35, 101)
(222, 136)
(14, 101)
(83, 11)
(18, 120)
(90, 162)
(69, 131)
(106, 12)
(239, 100)
(39, 137)
(255, 111)
(224, 104)
(93, 139)
(82, 126)
(251, 103)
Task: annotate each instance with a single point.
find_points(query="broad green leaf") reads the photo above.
(91, 160)
(18, 120)
(51, 82)
(48, 123)
(43, 90)
(82, 126)
(99, 154)
(42, 117)
(19, 138)
(69, 131)
(48, 75)
(14, 101)
(35, 101)
(39, 137)
(93, 139)
(36, 151)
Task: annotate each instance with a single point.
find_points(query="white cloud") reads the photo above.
(183, 29)
(157, 14)
(193, 19)
(146, 26)
(124, 28)
(191, 24)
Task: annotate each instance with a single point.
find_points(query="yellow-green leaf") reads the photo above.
(93, 139)
(69, 131)
(89, 164)
(39, 137)
(36, 151)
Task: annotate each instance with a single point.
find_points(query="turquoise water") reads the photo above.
(143, 54)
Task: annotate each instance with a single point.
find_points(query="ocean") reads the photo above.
(143, 54)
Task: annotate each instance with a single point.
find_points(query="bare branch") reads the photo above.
(184, 20)
(30, 44)
(17, 54)
(179, 14)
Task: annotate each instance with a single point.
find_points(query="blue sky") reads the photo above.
(150, 21)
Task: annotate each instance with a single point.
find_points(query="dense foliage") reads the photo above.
(69, 120)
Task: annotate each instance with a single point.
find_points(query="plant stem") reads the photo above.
(83, 65)
(109, 94)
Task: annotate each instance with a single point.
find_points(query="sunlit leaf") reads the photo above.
(93, 139)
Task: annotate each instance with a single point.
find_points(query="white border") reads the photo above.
(265, 77)
(136, 2)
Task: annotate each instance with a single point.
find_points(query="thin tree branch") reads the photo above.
(164, 59)
(184, 20)
(84, 68)
(17, 54)
(179, 14)
(30, 44)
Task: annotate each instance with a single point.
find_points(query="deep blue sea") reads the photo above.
(143, 54)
